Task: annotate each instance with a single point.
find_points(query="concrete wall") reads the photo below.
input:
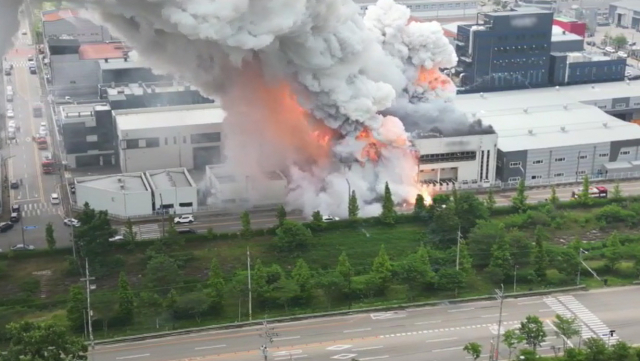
(176, 196)
(124, 204)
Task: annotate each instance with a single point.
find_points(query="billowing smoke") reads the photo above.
(9, 23)
(309, 86)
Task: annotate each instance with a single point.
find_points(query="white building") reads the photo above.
(225, 188)
(169, 137)
(433, 9)
(173, 190)
(122, 195)
(469, 161)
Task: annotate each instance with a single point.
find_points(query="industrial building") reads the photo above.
(625, 14)
(88, 136)
(150, 94)
(169, 137)
(174, 191)
(69, 23)
(122, 195)
(563, 41)
(433, 9)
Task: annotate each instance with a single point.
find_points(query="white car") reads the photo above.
(330, 219)
(43, 130)
(10, 113)
(23, 247)
(55, 198)
(23, 32)
(609, 49)
(71, 222)
(185, 218)
(116, 239)
(43, 125)
(623, 55)
(12, 124)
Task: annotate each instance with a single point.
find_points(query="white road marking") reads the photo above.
(357, 330)
(496, 315)
(448, 349)
(287, 353)
(286, 338)
(442, 339)
(546, 310)
(367, 348)
(290, 357)
(338, 347)
(373, 358)
(133, 356)
(462, 309)
(344, 356)
(530, 302)
(208, 347)
(427, 322)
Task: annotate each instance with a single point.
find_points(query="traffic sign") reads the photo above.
(30, 227)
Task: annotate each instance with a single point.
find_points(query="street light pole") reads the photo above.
(515, 277)
(162, 207)
(89, 312)
(579, 267)
(249, 282)
(500, 295)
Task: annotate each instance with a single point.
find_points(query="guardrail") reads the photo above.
(151, 336)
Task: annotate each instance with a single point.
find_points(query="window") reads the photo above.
(142, 143)
(582, 172)
(603, 155)
(205, 138)
(536, 177)
(583, 156)
(538, 161)
(513, 179)
(92, 138)
(185, 205)
(562, 159)
(620, 106)
(556, 175)
(625, 152)
(175, 140)
(447, 157)
(515, 164)
(184, 139)
(166, 141)
(153, 142)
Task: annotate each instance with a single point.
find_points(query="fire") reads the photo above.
(373, 147)
(432, 78)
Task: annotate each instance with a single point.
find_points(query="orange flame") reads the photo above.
(373, 147)
(432, 78)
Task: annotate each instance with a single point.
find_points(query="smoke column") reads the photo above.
(305, 84)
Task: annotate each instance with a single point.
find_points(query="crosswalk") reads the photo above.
(40, 209)
(19, 63)
(145, 231)
(590, 325)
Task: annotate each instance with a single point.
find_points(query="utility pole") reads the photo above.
(22, 228)
(249, 282)
(579, 267)
(268, 333)
(458, 252)
(500, 296)
(515, 277)
(88, 280)
(163, 215)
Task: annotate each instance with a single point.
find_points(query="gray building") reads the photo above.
(68, 22)
(563, 41)
(625, 14)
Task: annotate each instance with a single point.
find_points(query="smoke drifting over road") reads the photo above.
(309, 86)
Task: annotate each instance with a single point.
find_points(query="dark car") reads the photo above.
(15, 184)
(186, 231)
(33, 70)
(15, 217)
(15, 208)
(5, 226)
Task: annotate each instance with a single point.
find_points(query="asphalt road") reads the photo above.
(428, 334)
(24, 158)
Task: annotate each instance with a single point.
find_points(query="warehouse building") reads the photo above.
(174, 191)
(122, 195)
(169, 137)
(69, 22)
(433, 9)
(625, 14)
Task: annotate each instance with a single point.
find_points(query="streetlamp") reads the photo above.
(515, 277)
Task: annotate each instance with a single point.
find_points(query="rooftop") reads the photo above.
(170, 178)
(556, 126)
(559, 34)
(129, 182)
(565, 19)
(175, 116)
(629, 4)
(226, 175)
(96, 51)
(81, 110)
(118, 64)
(55, 15)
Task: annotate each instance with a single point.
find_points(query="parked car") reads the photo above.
(10, 113)
(71, 222)
(330, 219)
(15, 208)
(5, 227)
(55, 198)
(186, 231)
(15, 184)
(23, 247)
(15, 217)
(117, 238)
(610, 50)
(185, 218)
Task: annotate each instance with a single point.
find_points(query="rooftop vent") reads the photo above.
(105, 60)
(120, 180)
(526, 110)
(593, 86)
(530, 131)
(122, 186)
(566, 107)
(628, 82)
(557, 88)
(605, 124)
(563, 129)
(481, 95)
(120, 90)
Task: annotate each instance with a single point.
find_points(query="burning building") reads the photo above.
(309, 87)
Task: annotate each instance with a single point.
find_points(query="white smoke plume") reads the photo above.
(303, 82)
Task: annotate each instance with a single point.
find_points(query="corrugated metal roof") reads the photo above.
(629, 4)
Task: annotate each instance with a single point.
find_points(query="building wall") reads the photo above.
(124, 204)
(623, 17)
(243, 190)
(435, 9)
(567, 46)
(587, 72)
(79, 28)
(179, 200)
(70, 70)
(89, 138)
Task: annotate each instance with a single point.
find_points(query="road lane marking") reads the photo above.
(496, 315)
(546, 310)
(286, 338)
(133, 356)
(290, 357)
(447, 349)
(442, 339)
(287, 353)
(338, 347)
(367, 348)
(344, 356)
(426, 322)
(461, 309)
(208, 347)
(373, 358)
(530, 302)
(357, 330)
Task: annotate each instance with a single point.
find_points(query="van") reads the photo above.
(9, 97)
(9, 89)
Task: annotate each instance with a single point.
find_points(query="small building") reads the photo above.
(585, 68)
(625, 14)
(571, 26)
(169, 137)
(224, 188)
(433, 9)
(88, 135)
(125, 70)
(174, 191)
(122, 195)
(563, 41)
(69, 22)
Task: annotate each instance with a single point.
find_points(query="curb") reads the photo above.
(230, 326)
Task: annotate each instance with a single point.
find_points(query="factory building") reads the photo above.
(225, 188)
(87, 134)
(174, 191)
(433, 9)
(169, 137)
(625, 14)
(152, 94)
(122, 195)
(69, 23)
(585, 68)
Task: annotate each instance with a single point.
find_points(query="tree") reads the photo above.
(354, 208)
(381, 270)
(416, 271)
(474, 350)
(482, 238)
(512, 339)
(293, 236)
(566, 328)
(46, 341)
(389, 214)
(215, 286)
(281, 215)
(540, 258)
(584, 197)
(193, 304)
(129, 234)
(469, 210)
(553, 199)
(301, 275)
(169, 303)
(519, 200)
(490, 201)
(419, 207)
(444, 226)
(161, 273)
(616, 193)
(596, 349)
(449, 279)
(245, 220)
(622, 351)
(76, 305)
(126, 301)
(613, 252)
(345, 271)
(316, 217)
(619, 41)
(92, 238)
(501, 264)
(284, 291)
(48, 234)
(533, 332)
(259, 285)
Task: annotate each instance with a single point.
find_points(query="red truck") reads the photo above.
(48, 164)
(42, 142)
(594, 192)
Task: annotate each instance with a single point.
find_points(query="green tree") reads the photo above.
(317, 222)
(619, 41)
(490, 201)
(281, 215)
(566, 328)
(129, 234)
(193, 304)
(474, 350)
(533, 332)
(519, 200)
(567, 260)
(126, 300)
(161, 273)
(512, 339)
(622, 351)
(469, 210)
(389, 214)
(169, 303)
(521, 247)
(92, 239)
(284, 291)
(501, 264)
(613, 253)
(346, 273)
(449, 279)
(419, 207)
(215, 286)
(301, 275)
(381, 270)
(293, 237)
(259, 284)
(354, 208)
(540, 258)
(616, 193)
(583, 197)
(444, 226)
(596, 349)
(465, 260)
(331, 284)
(48, 341)
(553, 199)
(49, 237)
(482, 238)
(76, 304)
(104, 306)
(416, 272)
(245, 220)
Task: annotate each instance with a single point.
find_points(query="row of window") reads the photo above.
(590, 70)
(564, 159)
(447, 157)
(422, 7)
(214, 137)
(522, 37)
(534, 177)
(521, 49)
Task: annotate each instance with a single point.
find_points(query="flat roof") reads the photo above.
(118, 64)
(557, 126)
(55, 15)
(127, 182)
(174, 116)
(96, 51)
(629, 4)
(170, 178)
(225, 175)
(70, 111)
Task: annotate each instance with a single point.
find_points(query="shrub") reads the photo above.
(614, 214)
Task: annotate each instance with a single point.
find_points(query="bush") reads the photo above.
(614, 214)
